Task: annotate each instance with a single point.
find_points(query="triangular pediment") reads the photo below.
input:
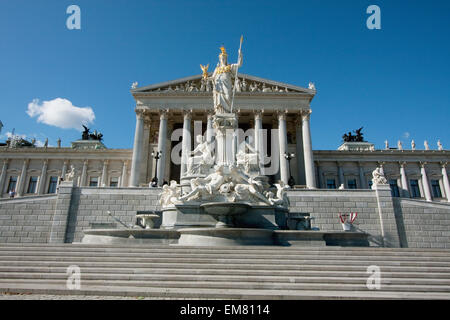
(246, 83)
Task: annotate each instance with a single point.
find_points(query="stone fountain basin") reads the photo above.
(225, 209)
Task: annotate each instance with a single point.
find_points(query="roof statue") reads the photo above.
(358, 137)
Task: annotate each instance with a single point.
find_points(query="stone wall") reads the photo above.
(325, 205)
(423, 224)
(24, 220)
(89, 208)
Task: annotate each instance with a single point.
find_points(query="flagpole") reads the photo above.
(236, 75)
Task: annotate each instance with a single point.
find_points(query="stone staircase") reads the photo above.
(163, 271)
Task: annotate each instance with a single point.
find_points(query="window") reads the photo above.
(351, 184)
(32, 185)
(331, 184)
(93, 182)
(12, 184)
(114, 182)
(436, 189)
(52, 184)
(394, 188)
(415, 191)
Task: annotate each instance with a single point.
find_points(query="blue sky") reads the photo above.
(394, 81)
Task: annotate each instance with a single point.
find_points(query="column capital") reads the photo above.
(361, 163)
(126, 162)
(187, 114)
(402, 164)
(210, 114)
(381, 163)
(105, 162)
(163, 114)
(85, 162)
(258, 114)
(340, 163)
(422, 164)
(5, 162)
(140, 113)
(26, 162)
(306, 114)
(45, 162)
(281, 115)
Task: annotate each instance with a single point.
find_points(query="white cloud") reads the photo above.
(60, 113)
(406, 135)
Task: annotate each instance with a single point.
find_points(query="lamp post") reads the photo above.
(289, 157)
(155, 156)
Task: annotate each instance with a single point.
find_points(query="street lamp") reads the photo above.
(289, 157)
(155, 156)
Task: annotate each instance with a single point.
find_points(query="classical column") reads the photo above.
(307, 150)
(445, 180)
(282, 138)
(83, 174)
(362, 177)
(404, 179)
(137, 148)
(340, 174)
(300, 158)
(42, 177)
(23, 176)
(186, 147)
(3, 176)
(104, 178)
(426, 185)
(162, 137)
(123, 179)
(209, 127)
(259, 146)
(143, 169)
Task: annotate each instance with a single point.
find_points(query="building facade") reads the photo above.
(276, 116)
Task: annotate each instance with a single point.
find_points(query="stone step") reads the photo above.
(299, 261)
(241, 286)
(226, 294)
(230, 278)
(386, 257)
(214, 266)
(236, 272)
(231, 249)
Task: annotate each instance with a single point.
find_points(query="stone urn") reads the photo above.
(148, 220)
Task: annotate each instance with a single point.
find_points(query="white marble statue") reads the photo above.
(70, 175)
(312, 86)
(399, 145)
(134, 85)
(281, 198)
(202, 156)
(205, 188)
(247, 157)
(440, 146)
(413, 145)
(427, 146)
(386, 145)
(222, 84)
(378, 177)
(170, 194)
